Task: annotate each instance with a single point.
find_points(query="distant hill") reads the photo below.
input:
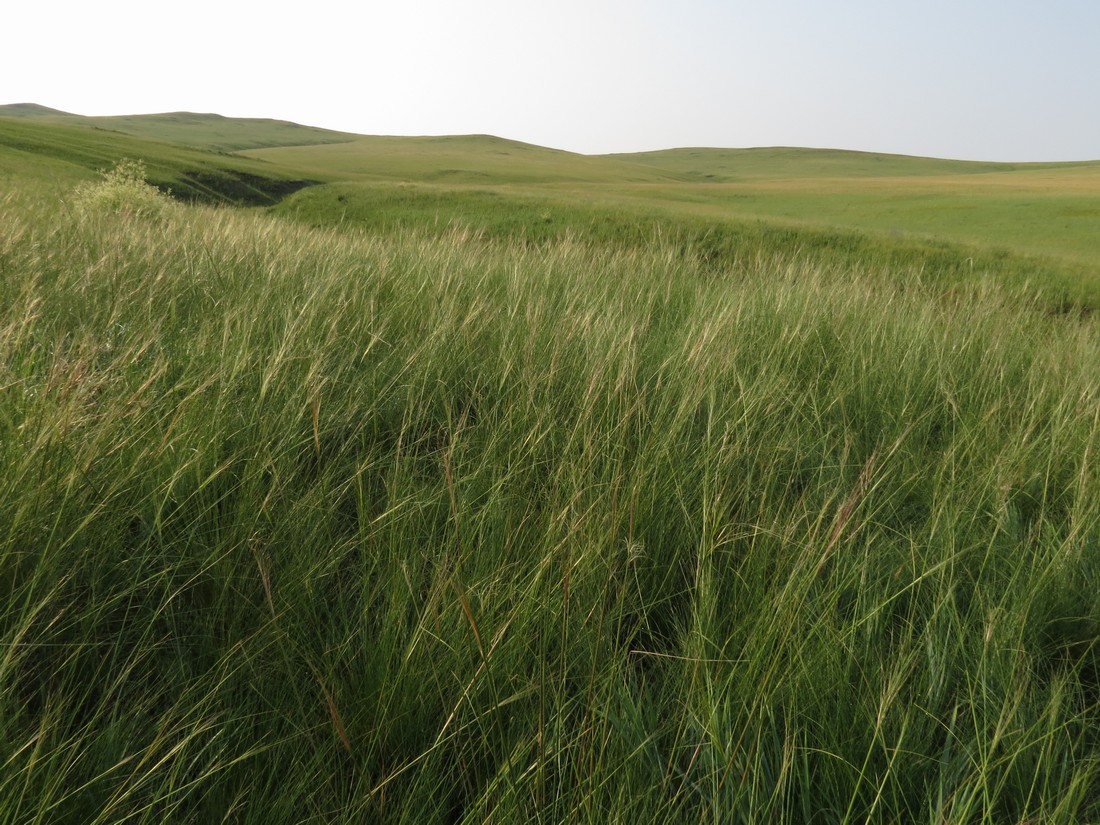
(477, 158)
(202, 131)
(462, 159)
(783, 163)
(32, 110)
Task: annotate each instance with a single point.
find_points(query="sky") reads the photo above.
(973, 79)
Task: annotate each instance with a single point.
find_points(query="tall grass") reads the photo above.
(306, 526)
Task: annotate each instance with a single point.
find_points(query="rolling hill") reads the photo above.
(461, 159)
(1045, 210)
(58, 153)
(790, 163)
(199, 130)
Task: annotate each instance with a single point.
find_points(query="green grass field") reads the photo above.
(1047, 213)
(542, 498)
(1044, 212)
(43, 154)
(1041, 210)
(202, 131)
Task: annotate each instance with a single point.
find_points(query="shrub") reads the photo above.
(123, 190)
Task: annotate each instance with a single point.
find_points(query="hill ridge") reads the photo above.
(173, 126)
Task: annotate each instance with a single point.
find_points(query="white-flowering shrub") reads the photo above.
(123, 189)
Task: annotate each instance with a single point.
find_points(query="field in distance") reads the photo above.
(1046, 213)
(1047, 209)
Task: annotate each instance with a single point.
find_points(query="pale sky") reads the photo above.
(974, 79)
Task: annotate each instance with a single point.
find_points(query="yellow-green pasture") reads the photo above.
(1048, 213)
(1049, 210)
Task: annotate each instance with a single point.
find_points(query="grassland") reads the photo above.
(459, 159)
(459, 504)
(1041, 210)
(37, 153)
(1046, 213)
(196, 130)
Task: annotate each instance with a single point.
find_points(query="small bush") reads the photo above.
(122, 190)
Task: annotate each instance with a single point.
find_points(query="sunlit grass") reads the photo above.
(309, 525)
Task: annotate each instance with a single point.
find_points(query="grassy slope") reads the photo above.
(203, 131)
(478, 159)
(210, 131)
(1038, 208)
(32, 110)
(540, 217)
(786, 163)
(1047, 211)
(31, 149)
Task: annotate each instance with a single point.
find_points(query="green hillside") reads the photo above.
(1050, 211)
(203, 131)
(33, 110)
(1045, 212)
(1041, 210)
(210, 131)
(52, 153)
(462, 159)
(785, 163)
